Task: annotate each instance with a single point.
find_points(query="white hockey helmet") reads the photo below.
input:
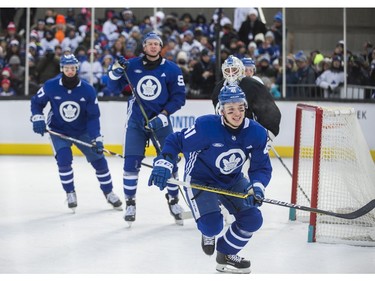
(233, 69)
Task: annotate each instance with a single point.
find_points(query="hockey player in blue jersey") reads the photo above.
(74, 112)
(215, 149)
(160, 86)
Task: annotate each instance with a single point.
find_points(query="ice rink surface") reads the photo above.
(40, 235)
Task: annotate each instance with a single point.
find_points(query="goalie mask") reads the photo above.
(233, 69)
(231, 94)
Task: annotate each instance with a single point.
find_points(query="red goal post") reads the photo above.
(332, 170)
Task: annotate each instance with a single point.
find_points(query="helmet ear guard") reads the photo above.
(231, 94)
(232, 69)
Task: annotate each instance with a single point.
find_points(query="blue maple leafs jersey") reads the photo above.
(215, 156)
(73, 112)
(159, 88)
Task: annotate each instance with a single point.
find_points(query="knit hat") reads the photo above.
(253, 11)
(318, 58)
(5, 81)
(300, 56)
(60, 19)
(14, 42)
(14, 60)
(278, 17)
(259, 37)
(6, 72)
(11, 26)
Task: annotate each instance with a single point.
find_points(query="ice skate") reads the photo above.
(175, 209)
(113, 199)
(71, 198)
(129, 216)
(232, 264)
(208, 245)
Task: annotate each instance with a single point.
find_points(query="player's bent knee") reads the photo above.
(249, 220)
(211, 224)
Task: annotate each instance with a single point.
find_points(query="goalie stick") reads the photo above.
(353, 215)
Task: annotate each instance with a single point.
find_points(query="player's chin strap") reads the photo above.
(353, 215)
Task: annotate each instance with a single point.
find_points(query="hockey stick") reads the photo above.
(353, 215)
(289, 172)
(89, 145)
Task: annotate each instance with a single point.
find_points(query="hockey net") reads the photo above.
(332, 170)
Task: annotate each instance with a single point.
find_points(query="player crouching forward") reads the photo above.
(215, 149)
(74, 112)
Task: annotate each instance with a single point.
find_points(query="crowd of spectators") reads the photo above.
(188, 41)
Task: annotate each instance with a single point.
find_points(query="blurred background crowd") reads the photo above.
(189, 40)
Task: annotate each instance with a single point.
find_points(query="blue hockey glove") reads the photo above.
(123, 62)
(158, 122)
(118, 68)
(39, 125)
(258, 194)
(97, 145)
(161, 172)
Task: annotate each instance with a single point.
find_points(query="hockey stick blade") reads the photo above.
(349, 216)
(353, 215)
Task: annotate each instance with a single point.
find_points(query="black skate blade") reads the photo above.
(119, 208)
(233, 270)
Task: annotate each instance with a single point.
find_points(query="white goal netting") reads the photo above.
(340, 180)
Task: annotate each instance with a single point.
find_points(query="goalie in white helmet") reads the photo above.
(261, 104)
(233, 70)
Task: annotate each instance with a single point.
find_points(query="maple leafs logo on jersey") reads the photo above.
(232, 163)
(69, 111)
(229, 161)
(148, 87)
